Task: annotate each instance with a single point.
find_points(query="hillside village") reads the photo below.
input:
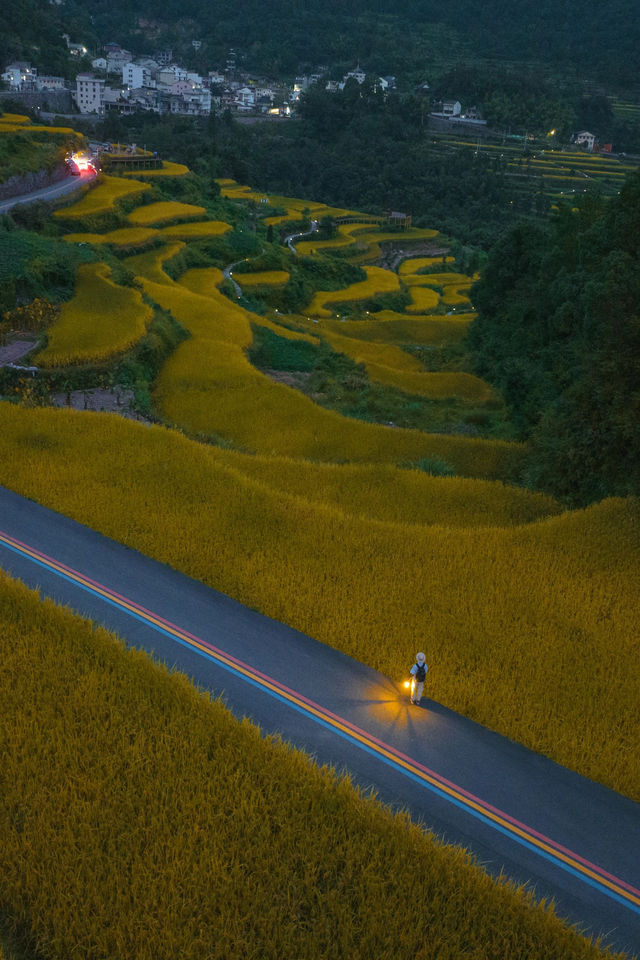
(122, 82)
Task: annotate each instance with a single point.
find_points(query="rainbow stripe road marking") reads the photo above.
(567, 860)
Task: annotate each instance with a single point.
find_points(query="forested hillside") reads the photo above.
(594, 39)
(558, 333)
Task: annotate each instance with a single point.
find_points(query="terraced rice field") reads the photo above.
(102, 199)
(102, 320)
(560, 172)
(168, 169)
(123, 237)
(378, 281)
(163, 211)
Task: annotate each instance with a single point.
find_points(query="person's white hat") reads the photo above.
(420, 657)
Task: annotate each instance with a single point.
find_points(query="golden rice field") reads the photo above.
(119, 842)
(388, 364)
(168, 169)
(208, 387)
(101, 321)
(423, 299)
(345, 237)
(416, 264)
(14, 118)
(454, 294)
(295, 208)
(101, 199)
(195, 231)
(24, 125)
(359, 234)
(164, 210)
(549, 607)
(378, 281)
(385, 493)
(268, 278)
(388, 326)
(237, 191)
(123, 237)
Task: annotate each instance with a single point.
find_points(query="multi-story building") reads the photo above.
(89, 93)
(136, 75)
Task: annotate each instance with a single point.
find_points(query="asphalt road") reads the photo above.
(572, 840)
(68, 185)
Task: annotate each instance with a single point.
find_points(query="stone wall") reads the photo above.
(27, 182)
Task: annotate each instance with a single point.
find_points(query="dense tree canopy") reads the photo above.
(558, 332)
(282, 36)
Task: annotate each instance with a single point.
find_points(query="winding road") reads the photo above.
(60, 189)
(569, 838)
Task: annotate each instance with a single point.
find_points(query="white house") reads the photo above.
(246, 97)
(100, 63)
(357, 74)
(451, 108)
(20, 75)
(89, 93)
(585, 139)
(49, 83)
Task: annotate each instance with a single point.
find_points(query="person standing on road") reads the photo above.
(418, 676)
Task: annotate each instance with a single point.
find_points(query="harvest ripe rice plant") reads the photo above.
(209, 387)
(416, 264)
(238, 191)
(119, 840)
(550, 607)
(195, 231)
(454, 294)
(364, 235)
(295, 209)
(101, 321)
(268, 278)
(149, 265)
(378, 281)
(383, 492)
(163, 210)
(423, 299)
(168, 169)
(347, 234)
(101, 199)
(18, 118)
(390, 365)
(388, 326)
(124, 237)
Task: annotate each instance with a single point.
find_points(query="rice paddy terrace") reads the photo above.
(559, 172)
(336, 466)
